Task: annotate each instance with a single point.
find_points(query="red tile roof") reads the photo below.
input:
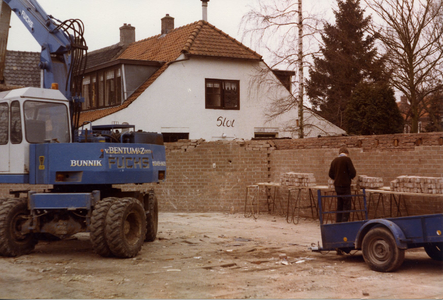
(199, 38)
(196, 39)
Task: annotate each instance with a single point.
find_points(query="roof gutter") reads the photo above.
(126, 62)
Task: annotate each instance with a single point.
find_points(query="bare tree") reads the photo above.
(412, 33)
(279, 27)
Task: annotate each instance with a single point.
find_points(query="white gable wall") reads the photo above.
(175, 102)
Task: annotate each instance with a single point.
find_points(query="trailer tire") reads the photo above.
(435, 251)
(380, 251)
(13, 214)
(125, 227)
(151, 218)
(98, 225)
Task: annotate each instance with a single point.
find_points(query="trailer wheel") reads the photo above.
(13, 214)
(98, 224)
(435, 251)
(380, 251)
(152, 218)
(125, 229)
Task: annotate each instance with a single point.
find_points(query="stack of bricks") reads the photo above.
(292, 179)
(332, 186)
(373, 183)
(366, 182)
(417, 184)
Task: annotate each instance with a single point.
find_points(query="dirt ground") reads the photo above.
(215, 255)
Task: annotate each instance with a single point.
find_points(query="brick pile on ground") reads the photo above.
(366, 182)
(417, 184)
(292, 179)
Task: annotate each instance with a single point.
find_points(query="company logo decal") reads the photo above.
(120, 158)
(86, 163)
(27, 19)
(129, 162)
(127, 150)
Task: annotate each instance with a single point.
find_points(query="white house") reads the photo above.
(191, 82)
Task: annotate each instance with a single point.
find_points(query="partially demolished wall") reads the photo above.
(213, 176)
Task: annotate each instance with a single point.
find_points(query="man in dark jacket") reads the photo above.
(342, 171)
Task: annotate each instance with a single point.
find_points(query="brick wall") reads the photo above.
(194, 185)
(416, 154)
(386, 156)
(212, 176)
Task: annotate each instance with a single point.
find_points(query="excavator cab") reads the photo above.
(30, 116)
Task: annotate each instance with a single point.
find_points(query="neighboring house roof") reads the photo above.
(22, 69)
(104, 55)
(196, 39)
(433, 105)
(199, 38)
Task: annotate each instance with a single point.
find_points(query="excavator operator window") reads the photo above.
(16, 123)
(4, 121)
(46, 122)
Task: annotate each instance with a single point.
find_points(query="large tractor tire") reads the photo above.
(98, 225)
(13, 215)
(151, 218)
(435, 251)
(380, 251)
(125, 229)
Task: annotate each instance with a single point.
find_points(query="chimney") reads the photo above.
(167, 24)
(205, 10)
(127, 34)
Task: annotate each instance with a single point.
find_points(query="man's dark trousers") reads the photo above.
(343, 203)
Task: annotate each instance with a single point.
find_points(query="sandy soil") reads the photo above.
(215, 255)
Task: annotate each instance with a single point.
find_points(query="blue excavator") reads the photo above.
(84, 167)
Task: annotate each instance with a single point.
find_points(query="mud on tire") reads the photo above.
(125, 229)
(98, 224)
(13, 215)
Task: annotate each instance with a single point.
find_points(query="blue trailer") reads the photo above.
(382, 241)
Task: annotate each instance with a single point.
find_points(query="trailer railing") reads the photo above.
(358, 212)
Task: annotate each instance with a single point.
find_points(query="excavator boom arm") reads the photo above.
(63, 55)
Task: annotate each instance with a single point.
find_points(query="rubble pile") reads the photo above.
(366, 182)
(417, 184)
(297, 179)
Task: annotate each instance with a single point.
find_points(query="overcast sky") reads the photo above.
(102, 18)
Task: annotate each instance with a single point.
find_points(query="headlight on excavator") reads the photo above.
(68, 176)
